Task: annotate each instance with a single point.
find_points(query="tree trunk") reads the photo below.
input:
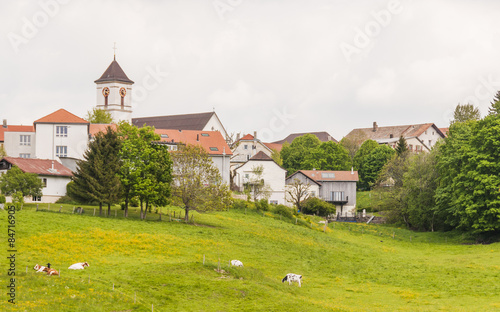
(126, 206)
(186, 216)
(100, 209)
(145, 210)
(141, 209)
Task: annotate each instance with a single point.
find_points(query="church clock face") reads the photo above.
(105, 91)
(123, 92)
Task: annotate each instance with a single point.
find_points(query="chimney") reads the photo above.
(237, 136)
(52, 165)
(352, 170)
(255, 135)
(197, 137)
(375, 126)
(5, 123)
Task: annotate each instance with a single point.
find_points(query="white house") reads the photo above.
(54, 176)
(61, 134)
(272, 174)
(247, 147)
(419, 137)
(20, 141)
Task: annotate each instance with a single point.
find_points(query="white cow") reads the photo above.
(237, 263)
(290, 277)
(78, 266)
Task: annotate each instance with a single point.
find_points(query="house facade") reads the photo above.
(247, 147)
(335, 187)
(272, 175)
(419, 137)
(53, 174)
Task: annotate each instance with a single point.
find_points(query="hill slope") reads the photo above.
(350, 267)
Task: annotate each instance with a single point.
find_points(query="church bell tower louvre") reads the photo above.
(114, 92)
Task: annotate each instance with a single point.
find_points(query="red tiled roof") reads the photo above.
(207, 139)
(61, 116)
(248, 137)
(444, 131)
(15, 129)
(95, 128)
(274, 146)
(39, 166)
(316, 175)
(261, 156)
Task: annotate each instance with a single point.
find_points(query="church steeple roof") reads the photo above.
(114, 73)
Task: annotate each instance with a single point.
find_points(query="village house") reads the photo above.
(248, 146)
(210, 141)
(273, 177)
(335, 187)
(323, 136)
(419, 137)
(53, 174)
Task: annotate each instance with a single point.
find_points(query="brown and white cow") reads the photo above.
(40, 268)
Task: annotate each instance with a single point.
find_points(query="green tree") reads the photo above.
(15, 180)
(330, 156)
(296, 156)
(97, 115)
(465, 113)
(372, 166)
(276, 156)
(95, 179)
(401, 146)
(469, 189)
(257, 185)
(495, 105)
(196, 181)
(146, 167)
(2, 152)
(364, 150)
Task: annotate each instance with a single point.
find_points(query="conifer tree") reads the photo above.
(495, 105)
(402, 146)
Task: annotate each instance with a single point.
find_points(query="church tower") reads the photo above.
(114, 93)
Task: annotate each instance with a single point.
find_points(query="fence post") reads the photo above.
(60, 208)
(94, 211)
(392, 235)
(116, 212)
(295, 220)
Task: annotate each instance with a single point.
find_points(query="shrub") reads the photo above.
(2, 199)
(283, 210)
(239, 204)
(317, 206)
(262, 205)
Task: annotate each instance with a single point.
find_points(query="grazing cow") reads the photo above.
(78, 266)
(290, 277)
(237, 263)
(52, 272)
(40, 268)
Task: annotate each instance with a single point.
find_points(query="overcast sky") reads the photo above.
(276, 67)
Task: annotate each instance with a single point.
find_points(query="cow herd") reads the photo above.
(49, 271)
(290, 277)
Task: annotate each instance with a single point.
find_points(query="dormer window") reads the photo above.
(215, 149)
(164, 136)
(205, 134)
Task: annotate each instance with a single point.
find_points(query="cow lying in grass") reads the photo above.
(78, 266)
(41, 268)
(237, 263)
(290, 277)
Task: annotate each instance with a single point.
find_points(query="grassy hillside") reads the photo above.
(350, 267)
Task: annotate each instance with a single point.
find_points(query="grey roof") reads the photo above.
(179, 122)
(322, 136)
(380, 134)
(114, 73)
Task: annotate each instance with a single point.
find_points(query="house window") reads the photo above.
(410, 147)
(338, 196)
(164, 136)
(61, 151)
(313, 194)
(328, 175)
(25, 139)
(418, 148)
(425, 131)
(24, 155)
(273, 202)
(37, 198)
(44, 182)
(432, 132)
(430, 142)
(248, 157)
(246, 176)
(214, 149)
(245, 146)
(61, 131)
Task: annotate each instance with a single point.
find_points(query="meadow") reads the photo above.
(168, 265)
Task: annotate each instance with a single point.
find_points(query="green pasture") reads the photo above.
(175, 266)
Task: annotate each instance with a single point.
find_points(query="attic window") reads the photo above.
(328, 175)
(214, 149)
(164, 136)
(204, 134)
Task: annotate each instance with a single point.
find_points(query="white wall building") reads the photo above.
(273, 176)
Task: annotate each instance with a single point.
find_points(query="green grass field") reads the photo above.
(159, 265)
